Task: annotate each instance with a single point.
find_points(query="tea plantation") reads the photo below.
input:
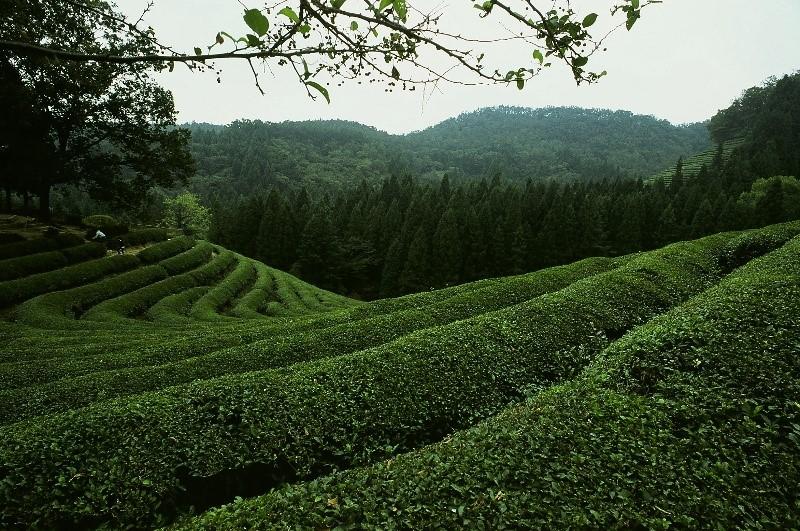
(188, 386)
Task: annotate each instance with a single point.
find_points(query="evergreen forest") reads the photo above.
(408, 233)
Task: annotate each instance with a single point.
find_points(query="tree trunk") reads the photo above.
(44, 202)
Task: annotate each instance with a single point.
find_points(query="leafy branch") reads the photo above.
(382, 40)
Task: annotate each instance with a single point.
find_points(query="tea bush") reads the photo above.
(153, 369)
(690, 421)
(160, 251)
(39, 245)
(25, 288)
(348, 410)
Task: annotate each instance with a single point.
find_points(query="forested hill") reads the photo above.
(564, 143)
(568, 143)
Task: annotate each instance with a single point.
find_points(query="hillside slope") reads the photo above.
(173, 382)
(517, 143)
(691, 167)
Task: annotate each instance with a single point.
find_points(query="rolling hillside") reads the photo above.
(559, 143)
(691, 166)
(646, 390)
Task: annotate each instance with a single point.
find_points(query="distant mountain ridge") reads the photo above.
(562, 143)
(559, 142)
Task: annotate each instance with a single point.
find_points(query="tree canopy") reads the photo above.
(104, 126)
(401, 42)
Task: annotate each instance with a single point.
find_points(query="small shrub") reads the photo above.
(109, 225)
(12, 268)
(141, 236)
(160, 251)
(38, 245)
(30, 286)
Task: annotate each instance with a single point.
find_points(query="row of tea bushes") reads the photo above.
(254, 302)
(136, 303)
(197, 255)
(14, 268)
(173, 309)
(691, 421)
(61, 309)
(141, 457)
(240, 279)
(163, 250)
(30, 286)
(82, 383)
(30, 264)
(38, 245)
(90, 341)
(83, 252)
(142, 236)
(754, 243)
(289, 302)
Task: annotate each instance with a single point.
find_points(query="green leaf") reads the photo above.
(384, 4)
(635, 4)
(580, 61)
(257, 22)
(253, 41)
(401, 9)
(395, 72)
(289, 13)
(198, 51)
(633, 16)
(354, 25)
(219, 39)
(322, 90)
(337, 4)
(590, 19)
(304, 29)
(520, 83)
(538, 56)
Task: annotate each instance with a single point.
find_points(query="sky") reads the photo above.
(683, 61)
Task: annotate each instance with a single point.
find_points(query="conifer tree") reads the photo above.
(769, 207)
(392, 269)
(319, 251)
(447, 251)
(416, 271)
(729, 217)
(703, 221)
(669, 229)
(678, 177)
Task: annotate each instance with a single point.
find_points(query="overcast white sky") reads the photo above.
(684, 60)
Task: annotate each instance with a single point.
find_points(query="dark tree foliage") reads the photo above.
(768, 118)
(518, 144)
(406, 235)
(105, 127)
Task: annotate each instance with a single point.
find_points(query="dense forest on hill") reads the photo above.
(569, 144)
(406, 236)
(411, 234)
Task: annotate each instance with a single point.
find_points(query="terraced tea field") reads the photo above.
(189, 386)
(692, 165)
